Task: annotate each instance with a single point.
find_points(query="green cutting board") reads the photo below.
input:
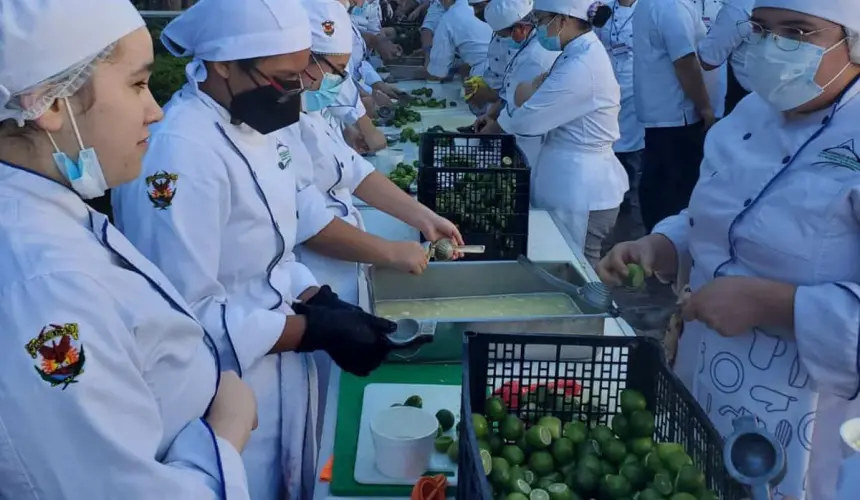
(349, 404)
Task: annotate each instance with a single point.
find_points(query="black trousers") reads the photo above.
(734, 91)
(670, 170)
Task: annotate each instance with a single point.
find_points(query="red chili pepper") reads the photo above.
(511, 392)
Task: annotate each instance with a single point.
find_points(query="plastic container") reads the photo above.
(518, 368)
(403, 440)
(481, 184)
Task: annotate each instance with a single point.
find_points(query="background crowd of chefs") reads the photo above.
(184, 349)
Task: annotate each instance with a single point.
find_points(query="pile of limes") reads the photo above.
(555, 461)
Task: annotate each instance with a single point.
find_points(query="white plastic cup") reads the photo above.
(403, 437)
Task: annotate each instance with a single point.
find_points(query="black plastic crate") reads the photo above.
(480, 183)
(512, 366)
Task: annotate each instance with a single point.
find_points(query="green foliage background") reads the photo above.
(169, 72)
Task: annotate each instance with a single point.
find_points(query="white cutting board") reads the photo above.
(378, 397)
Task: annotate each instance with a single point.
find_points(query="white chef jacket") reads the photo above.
(146, 372)
(617, 37)
(460, 33)
(779, 199)
(849, 478)
(368, 18)
(360, 69)
(663, 32)
(725, 40)
(433, 15)
(336, 170)
(526, 64)
(226, 238)
(498, 55)
(576, 108)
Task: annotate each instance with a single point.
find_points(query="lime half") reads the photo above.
(539, 494)
(486, 462)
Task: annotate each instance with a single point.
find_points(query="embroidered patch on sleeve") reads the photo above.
(59, 354)
(328, 28)
(161, 188)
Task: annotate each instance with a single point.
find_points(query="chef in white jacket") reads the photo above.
(617, 37)
(575, 106)
(773, 231)
(219, 208)
(109, 386)
(725, 45)
(459, 34)
(513, 21)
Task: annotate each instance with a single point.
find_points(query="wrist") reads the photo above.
(230, 430)
(664, 252)
(293, 334)
(308, 294)
(775, 302)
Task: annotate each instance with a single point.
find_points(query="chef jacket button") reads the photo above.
(692, 222)
(747, 202)
(747, 136)
(297, 214)
(496, 59)
(786, 160)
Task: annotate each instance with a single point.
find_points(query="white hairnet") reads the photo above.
(233, 30)
(331, 27)
(502, 14)
(845, 13)
(573, 8)
(49, 49)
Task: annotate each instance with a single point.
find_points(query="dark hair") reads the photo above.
(601, 16)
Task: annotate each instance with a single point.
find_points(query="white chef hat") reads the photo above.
(232, 30)
(502, 14)
(845, 13)
(580, 9)
(331, 27)
(48, 49)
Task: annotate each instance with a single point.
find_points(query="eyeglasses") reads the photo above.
(787, 38)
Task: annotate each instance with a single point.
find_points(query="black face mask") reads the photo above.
(268, 108)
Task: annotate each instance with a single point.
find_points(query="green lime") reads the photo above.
(495, 409)
(635, 276)
(520, 486)
(513, 454)
(621, 426)
(637, 475)
(443, 443)
(676, 461)
(641, 424)
(496, 443)
(529, 476)
(482, 427)
(553, 424)
(454, 453)
(613, 450)
(641, 447)
(484, 445)
(653, 463)
(584, 480)
(631, 459)
(544, 483)
(631, 401)
(414, 401)
(591, 462)
(576, 431)
(563, 451)
(709, 495)
(559, 491)
(555, 477)
(602, 434)
(511, 428)
(539, 494)
(541, 463)
(607, 469)
(500, 475)
(445, 418)
(516, 496)
(538, 437)
(587, 447)
(662, 484)
(615, 487)
(689, 480)
(666, 449)
(649, 494)
(516, 472)
(683, 496)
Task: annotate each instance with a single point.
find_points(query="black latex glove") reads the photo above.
(355, 340)
(325, 297)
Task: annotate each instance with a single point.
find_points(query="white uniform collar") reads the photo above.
(46, 193)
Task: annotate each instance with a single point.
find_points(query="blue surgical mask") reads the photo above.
(546, 41)
(357, 11)
(786, 79)
(85, 176)
(317, 100)
(513, 44)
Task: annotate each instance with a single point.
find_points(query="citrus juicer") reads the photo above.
(443, 250)
(754, 458)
